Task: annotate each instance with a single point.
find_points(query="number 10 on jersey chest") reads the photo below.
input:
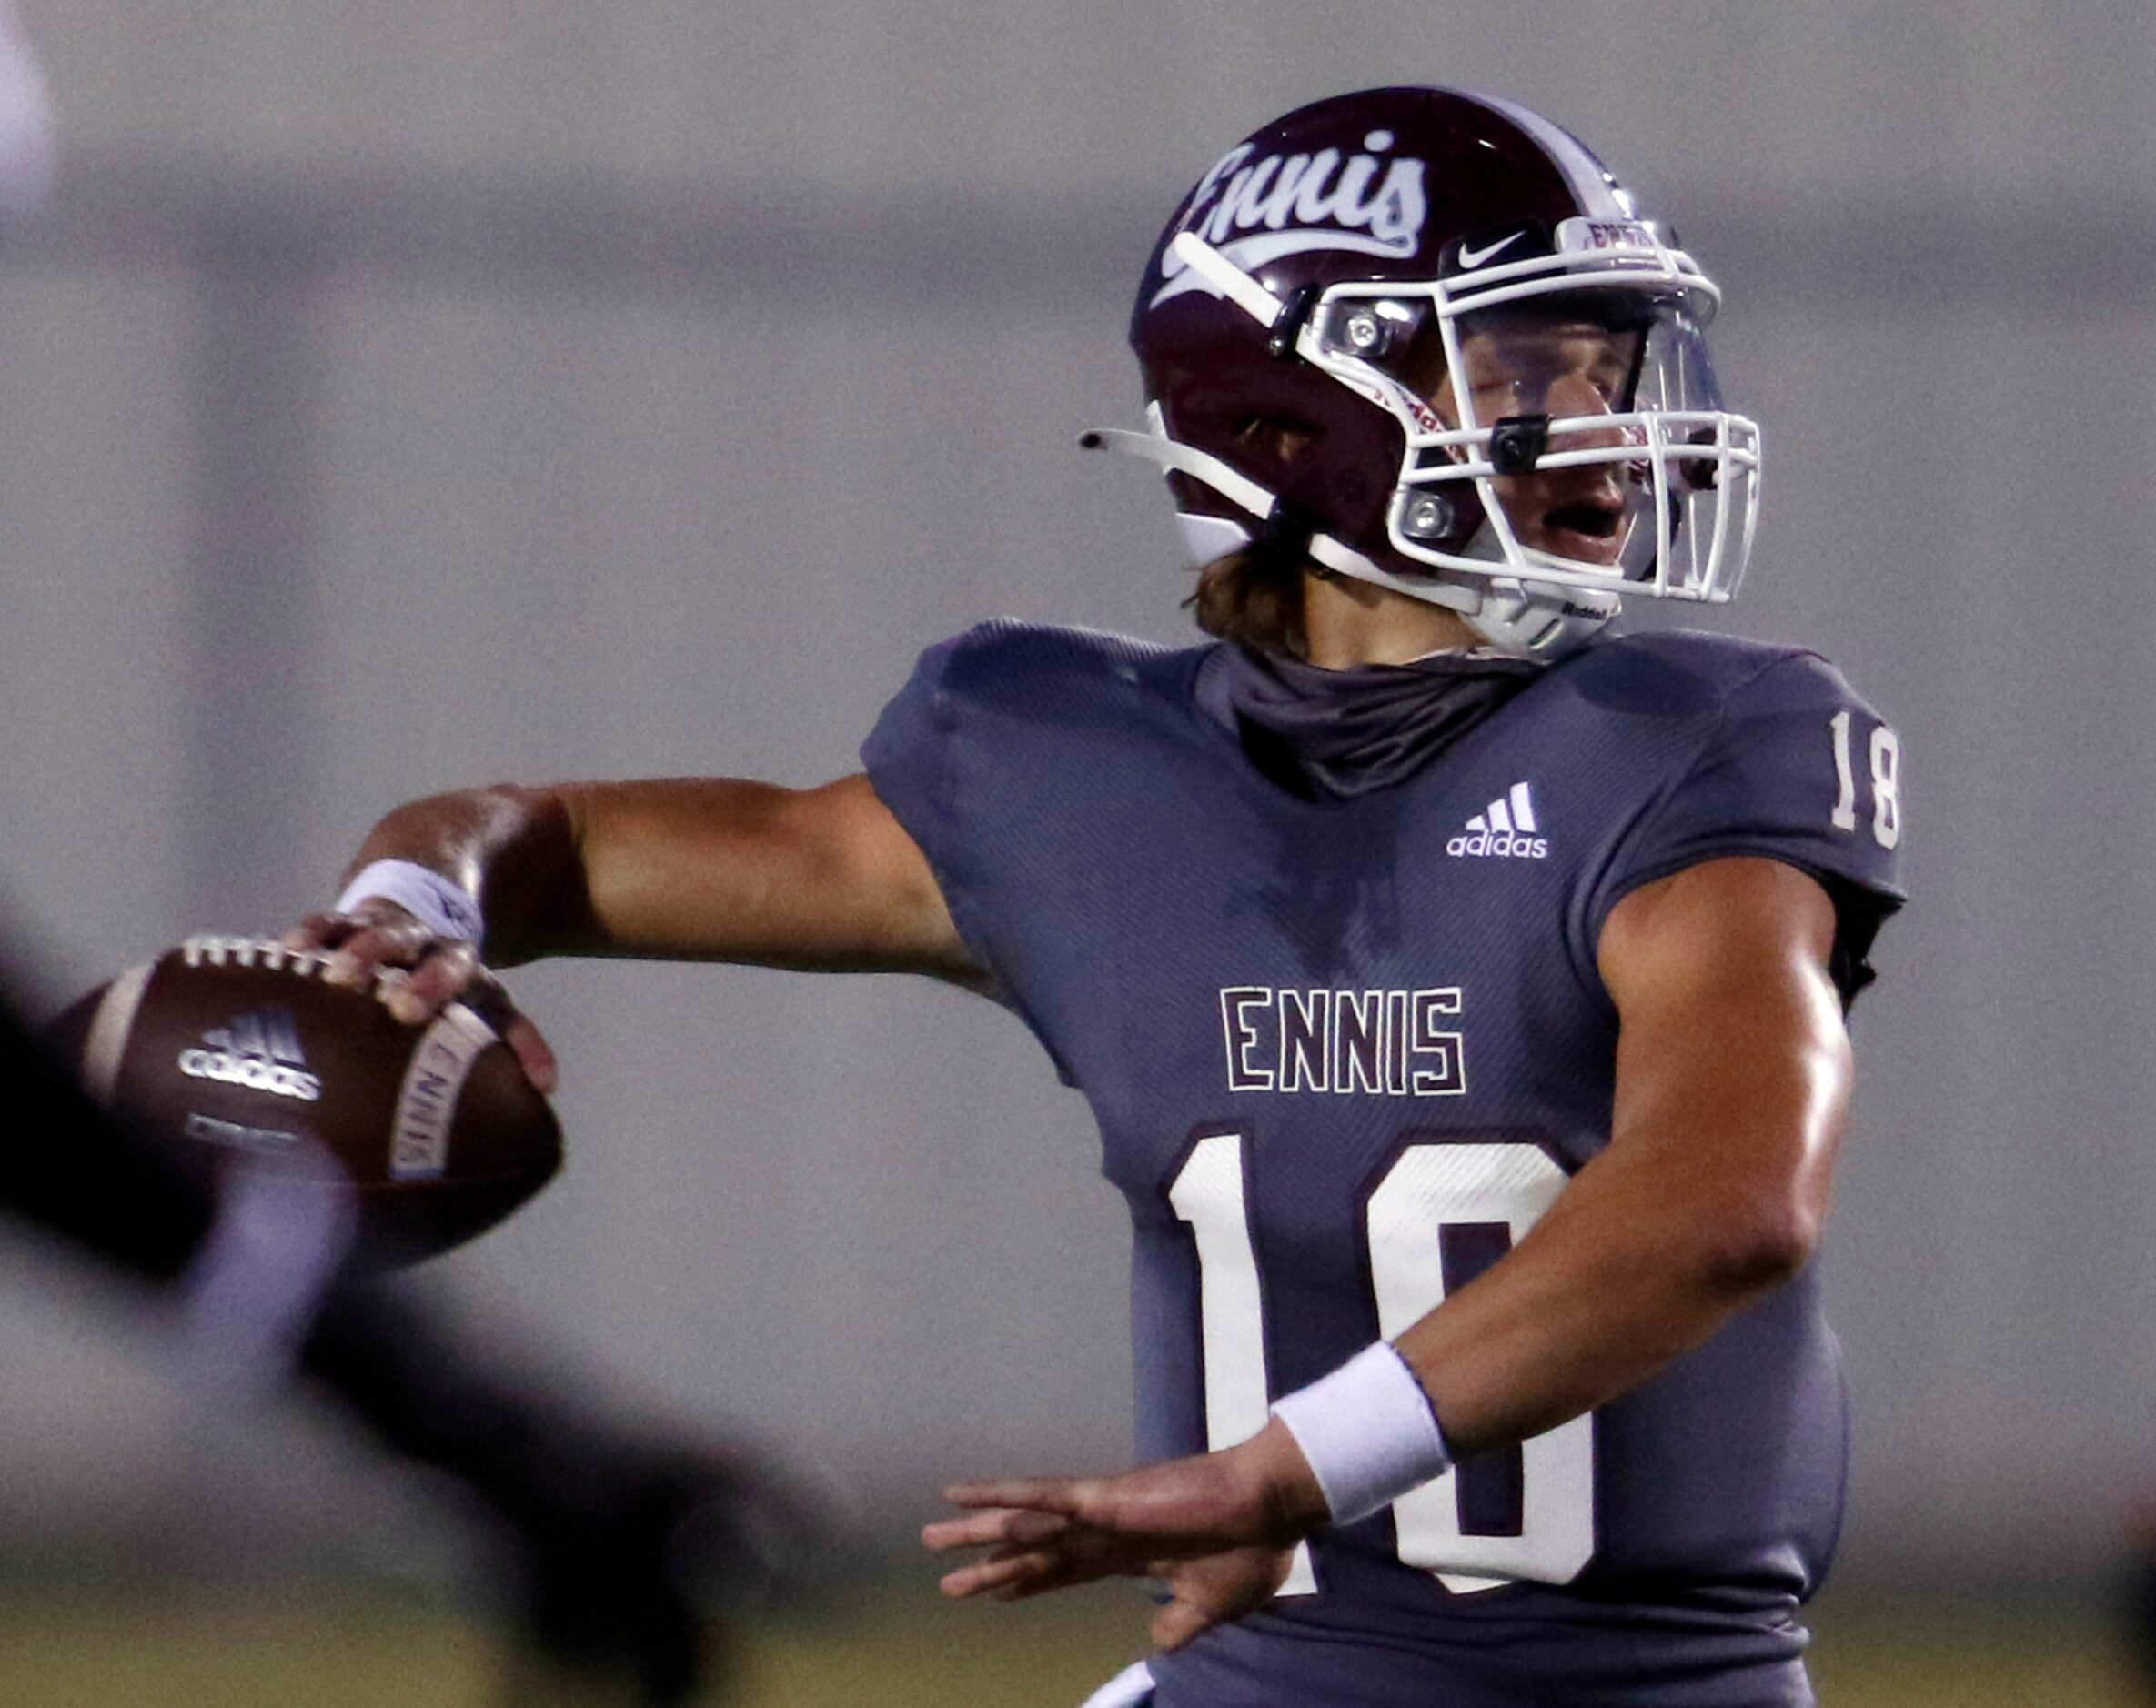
(1440, 1215)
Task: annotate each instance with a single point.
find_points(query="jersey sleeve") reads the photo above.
(966, 798)
(911, 763)
(1795, 767)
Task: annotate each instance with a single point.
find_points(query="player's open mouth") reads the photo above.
(1588, 529)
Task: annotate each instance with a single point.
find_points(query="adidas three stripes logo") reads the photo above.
(1505, 829)
(260, 1050)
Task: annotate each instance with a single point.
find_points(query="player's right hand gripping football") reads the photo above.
(426, 974)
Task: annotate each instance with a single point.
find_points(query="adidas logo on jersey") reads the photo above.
(260, 1050)
(1505, 829)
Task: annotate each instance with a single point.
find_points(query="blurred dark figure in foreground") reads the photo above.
(2137, 1608)
(626, 1545)
(630, 1548)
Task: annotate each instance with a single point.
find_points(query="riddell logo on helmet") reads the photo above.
(1255, 211)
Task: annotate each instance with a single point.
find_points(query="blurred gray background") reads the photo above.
(413, 394)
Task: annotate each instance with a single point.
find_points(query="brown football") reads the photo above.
(231, 1048)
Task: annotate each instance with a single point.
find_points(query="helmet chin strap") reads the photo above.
(1506, 612)
(1239, 489)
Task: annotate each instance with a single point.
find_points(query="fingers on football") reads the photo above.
(440, 974)
(318, 931)
(421, 975)
(375, 934)
(533, 1053)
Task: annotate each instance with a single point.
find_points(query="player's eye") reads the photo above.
(1612, 377)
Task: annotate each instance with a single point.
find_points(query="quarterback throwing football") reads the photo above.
(1459, 985)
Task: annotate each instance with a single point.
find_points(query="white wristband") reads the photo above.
(443, 906)
(1367, 1430)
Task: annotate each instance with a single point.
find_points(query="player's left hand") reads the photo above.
(1219, 1529)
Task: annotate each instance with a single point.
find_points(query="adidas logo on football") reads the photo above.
(1505, 829)
(260, 1050)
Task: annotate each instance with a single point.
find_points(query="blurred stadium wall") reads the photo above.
(414, 394)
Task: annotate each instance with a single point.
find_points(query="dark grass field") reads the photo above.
(894, 1645)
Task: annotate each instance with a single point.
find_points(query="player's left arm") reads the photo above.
(1733, 1076)
(1732, 1082)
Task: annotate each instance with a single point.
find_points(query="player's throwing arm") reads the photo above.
(710, 870)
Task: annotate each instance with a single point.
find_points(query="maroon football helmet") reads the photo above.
(1428, 333)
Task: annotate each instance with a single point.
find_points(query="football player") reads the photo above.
(1459, 984)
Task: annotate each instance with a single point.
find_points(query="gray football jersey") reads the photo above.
(1343, 1053)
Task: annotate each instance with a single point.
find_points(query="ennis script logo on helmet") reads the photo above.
(1332, 206)
(1489, 373)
